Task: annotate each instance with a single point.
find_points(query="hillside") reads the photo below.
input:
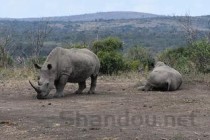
(104, 16)
(93, 16)
(148, 30)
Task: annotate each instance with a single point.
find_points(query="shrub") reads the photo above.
(108, 51)
(111, 62)
(80, 46)
(200, 54)
(131, 65)
(140, 57)
(195, 58)
(108, 44)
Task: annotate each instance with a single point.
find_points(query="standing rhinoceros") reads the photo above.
(67, 65)
(163, 78)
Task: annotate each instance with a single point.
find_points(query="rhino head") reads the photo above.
(45, 81)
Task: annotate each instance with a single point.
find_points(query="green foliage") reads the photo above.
(79, 46)
(111, 62)
(108, 44)
(178, 59)
(200, 55)
(140, 57)
(131, 65)
(195, 58)
(108, 51)
(159, 33)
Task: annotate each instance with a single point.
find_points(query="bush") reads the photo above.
(131, 65)
(108, 51)
(140, 57)
(200, 55)
(80, 46)
(111, 62)
(178, 59)
(195, 58)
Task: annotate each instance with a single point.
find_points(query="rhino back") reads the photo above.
(79, 64)
(162, 76)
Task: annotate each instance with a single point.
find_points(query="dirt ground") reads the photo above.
(118, 111)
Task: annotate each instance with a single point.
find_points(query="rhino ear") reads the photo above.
(37, 66)
(49, 66)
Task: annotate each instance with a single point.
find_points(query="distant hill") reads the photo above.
(152, 31)
(104, 16)
(94, 16)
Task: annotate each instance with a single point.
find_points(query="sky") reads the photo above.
(48, 8)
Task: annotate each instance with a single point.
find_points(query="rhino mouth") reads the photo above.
(40, 94)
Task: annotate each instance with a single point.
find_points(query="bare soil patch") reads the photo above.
(117, 111)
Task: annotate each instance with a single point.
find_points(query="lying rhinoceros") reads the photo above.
(67, 65)
(163, 78)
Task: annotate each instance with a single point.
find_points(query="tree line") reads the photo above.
(194, 56)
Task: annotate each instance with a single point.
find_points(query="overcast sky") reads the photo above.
(46, 8)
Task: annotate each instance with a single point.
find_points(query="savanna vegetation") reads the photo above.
(19, 51)
(128, 50)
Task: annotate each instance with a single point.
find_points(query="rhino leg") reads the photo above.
(93, 84)
(147, 87)
(82, 86)
(168, 85)
(141, 88)
(60, 84)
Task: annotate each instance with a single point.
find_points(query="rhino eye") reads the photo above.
(38, 77)
(49, 66)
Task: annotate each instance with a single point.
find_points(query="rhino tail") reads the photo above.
(168, 85)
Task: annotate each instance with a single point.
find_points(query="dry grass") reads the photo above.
(28, 73)
(127, 76)
(197, 77)
(17, 74)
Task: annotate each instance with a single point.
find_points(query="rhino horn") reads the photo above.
(37, 66)
(36, 88)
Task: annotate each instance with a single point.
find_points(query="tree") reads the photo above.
(190, 32)
(79, 46)
(108, 51)
(140, 57)
(37, 35)
(208, 32)
(111, 62)
(200, 55)
(7, 46)
(178, 58)
(108, 44)
(188, 59)
(5, 58)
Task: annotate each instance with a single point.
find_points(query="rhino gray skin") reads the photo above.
(163, 78)
(67, 65)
